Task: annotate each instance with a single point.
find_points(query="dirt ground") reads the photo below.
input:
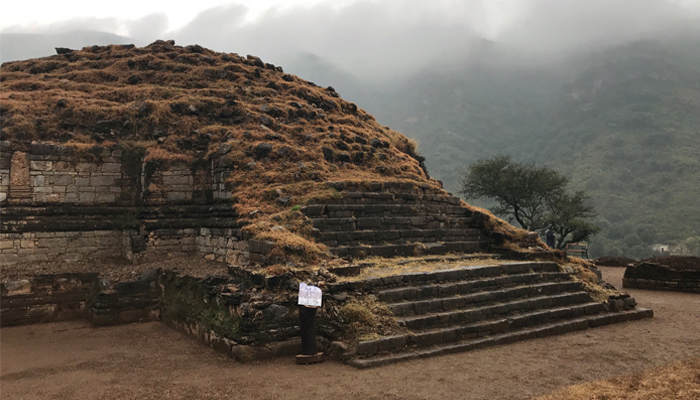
(151, 361)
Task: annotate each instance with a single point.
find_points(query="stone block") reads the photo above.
(62, 166)
(368, 223)
(86, 167)
(111, 167)
(179, 196)
(106, 198)
(38, 180)
(102, 180)
(86, 197)
(61, 180)
(82, 182)
(41, 165)
(55, 243)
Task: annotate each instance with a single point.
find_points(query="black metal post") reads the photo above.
(309, 352)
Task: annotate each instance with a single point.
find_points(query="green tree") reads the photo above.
(522, 191)
(536, 197)
(570, 217)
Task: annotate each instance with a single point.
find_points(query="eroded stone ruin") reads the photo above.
(114, 157)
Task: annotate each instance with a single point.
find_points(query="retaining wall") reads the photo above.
(657, 277)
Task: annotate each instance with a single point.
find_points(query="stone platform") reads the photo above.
(461, 309)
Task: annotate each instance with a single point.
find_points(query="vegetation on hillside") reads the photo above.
(620, 123)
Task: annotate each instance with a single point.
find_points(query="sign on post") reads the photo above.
(309, 295)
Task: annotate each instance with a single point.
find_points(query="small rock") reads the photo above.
(284, 200)
(18, 287)
(277, 228)
(210, 257)
(262, 150)
(344, 157)
(251, 165)
(328, 154)
(340, 296)
(149, 275)
(63, 50)
(61, 103)
(223, 149)
(375, 142)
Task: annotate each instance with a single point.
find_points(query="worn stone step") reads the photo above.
(436, 336)
(539, 331)
(462, 316)
(335, 210)
(450, 303)
(427, 221)
(470, 272)
(388, 235)
(420, 292)
(411, 249)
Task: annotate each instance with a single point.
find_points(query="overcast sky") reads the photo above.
(365, 36)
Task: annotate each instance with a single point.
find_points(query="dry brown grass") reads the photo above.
(179, 104)
(387, 266)
(676, 381)
(366, 319)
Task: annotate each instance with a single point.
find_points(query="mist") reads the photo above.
(389, 40)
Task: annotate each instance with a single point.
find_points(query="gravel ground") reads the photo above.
(151, 361)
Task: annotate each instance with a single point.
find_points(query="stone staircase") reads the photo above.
(394, 219)
(454, 310)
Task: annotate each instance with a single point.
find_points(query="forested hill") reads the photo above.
(621, 123)
(627, 130)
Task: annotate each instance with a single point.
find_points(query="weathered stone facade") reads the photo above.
(651, 276)
(61, 204)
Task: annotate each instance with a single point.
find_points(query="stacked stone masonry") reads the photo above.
(395, 218)
(657, 277)
(62, 204)
(460, 309)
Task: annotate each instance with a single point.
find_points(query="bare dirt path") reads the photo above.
(151, 361)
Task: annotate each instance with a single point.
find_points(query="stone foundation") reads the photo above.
(657, 277)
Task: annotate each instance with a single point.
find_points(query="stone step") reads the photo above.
(351, 223)
(435, 336)
(381, 235)
(462, 316)
(539, 331)
(420, 292)
(470, 272)
(451, 303)
(339, 210)
(415, 249)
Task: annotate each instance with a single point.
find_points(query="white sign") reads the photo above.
(309, 295)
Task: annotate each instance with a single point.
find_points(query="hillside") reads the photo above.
(626, 131)
(621, 123)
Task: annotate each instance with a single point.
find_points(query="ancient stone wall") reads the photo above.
(63, 204)
(657, 277)
(45, 298)
(59, 246)
(223, 244)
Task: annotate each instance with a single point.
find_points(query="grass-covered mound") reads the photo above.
(283, 137)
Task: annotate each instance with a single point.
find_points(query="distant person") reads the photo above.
(550, 238)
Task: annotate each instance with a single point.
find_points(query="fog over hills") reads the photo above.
(607, 92)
